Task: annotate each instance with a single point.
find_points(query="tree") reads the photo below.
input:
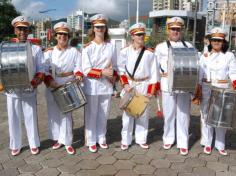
(7, 14)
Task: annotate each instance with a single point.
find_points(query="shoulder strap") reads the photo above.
(138, 61)
(184, 43)
(136, 64)
(168, 43)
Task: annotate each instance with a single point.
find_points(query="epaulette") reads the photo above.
(150, 49)
(48, 49)
(87, 44)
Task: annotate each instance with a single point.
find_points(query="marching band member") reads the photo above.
(63, 62)
(98, 64)
(143, 80)
(21, 101)
(216, 66)
(176, 105)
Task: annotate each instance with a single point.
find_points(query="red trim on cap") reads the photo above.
(136, 30)
(78, 73)
(218, 35)
(21, 23)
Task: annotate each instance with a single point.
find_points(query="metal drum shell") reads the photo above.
(69, 97)
(183, 69)
(16, 62)
(222, 108)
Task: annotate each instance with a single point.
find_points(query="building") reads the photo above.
(165, 4)
(41, 27)
(164, 9)
(75, 20)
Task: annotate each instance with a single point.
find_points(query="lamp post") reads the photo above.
(137, 12)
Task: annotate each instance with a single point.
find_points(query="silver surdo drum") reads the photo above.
(222, 108)
(69, 96)
(16, 65)
(182, 69)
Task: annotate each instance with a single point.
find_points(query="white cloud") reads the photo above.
(116, 9)
(29, 8)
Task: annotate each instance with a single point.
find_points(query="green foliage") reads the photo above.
(7, 14)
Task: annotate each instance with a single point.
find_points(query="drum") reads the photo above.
(182, 69)
(134, 104)
(222, 108)
(16, 65)
(69, 96)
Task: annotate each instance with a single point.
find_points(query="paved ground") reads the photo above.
(113, 161)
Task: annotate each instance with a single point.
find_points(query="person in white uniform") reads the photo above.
(144, 81)
(98, 65)
(24, 102)
(176, 105)
(216, 67)
(62, 64)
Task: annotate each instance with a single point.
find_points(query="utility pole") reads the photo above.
(195, 22)
(137, 12)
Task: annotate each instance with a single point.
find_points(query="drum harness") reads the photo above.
(163, 74)
(131, 76)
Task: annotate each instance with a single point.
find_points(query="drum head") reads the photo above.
(124, 101)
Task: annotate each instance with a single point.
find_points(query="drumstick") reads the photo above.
(159, 111)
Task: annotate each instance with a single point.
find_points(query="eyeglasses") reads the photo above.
(140, 34)
(100, 27)
(61, 33)
(216, 40)
(21, 28)
(175, 29)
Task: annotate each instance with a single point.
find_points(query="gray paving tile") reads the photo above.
(14, 163)
(160, 163)
(30, 168)
(88, 164)
(48, 172)
(144, 169)
(87, 173)
(218, 167)
(124, 164)
(9, 172)
(165, 172)
(106, 170)
(126, 173)
(203, 171)
(106, 159)
(140, 159)
(122, 155)
(69, 169)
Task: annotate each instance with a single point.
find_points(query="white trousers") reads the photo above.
(59, 124)
(176, 109)
(96, 114)
(141, 128)
(206, 130)
(16, 107)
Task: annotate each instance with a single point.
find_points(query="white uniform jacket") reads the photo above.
(215, 67)
(161, 53)
(97, 57)
(58, 62)
(146, 70)
(37, 68)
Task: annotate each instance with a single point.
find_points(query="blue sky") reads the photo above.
(115, 9)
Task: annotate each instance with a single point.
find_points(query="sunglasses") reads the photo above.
(216, 40)
(175, 29)
(140, 34)
(100, 27)
(21, 28)
(61, 33)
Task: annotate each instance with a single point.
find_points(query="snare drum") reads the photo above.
(134, 104)
(16, 65)
(182, 69)
(69, 96)
(222, 108)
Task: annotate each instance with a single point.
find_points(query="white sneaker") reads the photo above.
(167, 146)
(124, 147)
(183, 151)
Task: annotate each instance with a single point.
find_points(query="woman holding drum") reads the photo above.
(98, 63)
(138, 72)
(62, 63)
(216, 67)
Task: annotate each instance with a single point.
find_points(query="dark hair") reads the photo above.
(74, 42)
(91, 34)
(224, 49)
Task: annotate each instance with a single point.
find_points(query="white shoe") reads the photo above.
(207, 150)
(223, 152)
(124, 147)
(144, 146)
(93, 148)
(183, 151)
(167, 146)
(103, 146)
